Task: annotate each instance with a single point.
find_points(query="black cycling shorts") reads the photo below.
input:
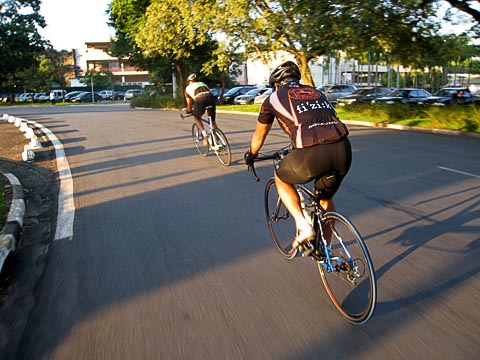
(303, 165)
(201, 103)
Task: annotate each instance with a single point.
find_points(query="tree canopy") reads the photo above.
(20, 42)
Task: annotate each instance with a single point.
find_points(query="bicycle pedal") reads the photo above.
(306, 249)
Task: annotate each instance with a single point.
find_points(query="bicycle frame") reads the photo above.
(212, 141)
(318, 214)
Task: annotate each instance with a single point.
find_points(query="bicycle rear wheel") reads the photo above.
(280, 223)
(352, 285)
(221, 147)
(196, 135)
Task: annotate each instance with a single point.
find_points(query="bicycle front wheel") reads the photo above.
(280, 223)
(198, 140)
(351, 285)
(221, 146)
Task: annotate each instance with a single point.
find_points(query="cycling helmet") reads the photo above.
(286, 70)
(192, 77)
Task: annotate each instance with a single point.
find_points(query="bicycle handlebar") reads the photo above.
(185, 116)
(277, 155)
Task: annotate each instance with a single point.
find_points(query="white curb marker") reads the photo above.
(66, 205)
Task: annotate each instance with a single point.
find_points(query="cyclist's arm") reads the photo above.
(258, 138)
(189, 103)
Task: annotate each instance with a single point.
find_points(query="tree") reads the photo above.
(397, 30)
(20, 42)
(98, 78)
(55, 68)
(463, 5)
(175, 29)
(304, 28)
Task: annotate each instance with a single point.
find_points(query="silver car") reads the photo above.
(333, 92)
(132, 93)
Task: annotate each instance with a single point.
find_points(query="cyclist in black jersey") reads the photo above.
(319, 140)
(198, 97)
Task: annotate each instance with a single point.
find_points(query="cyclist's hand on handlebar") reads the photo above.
(249, 158)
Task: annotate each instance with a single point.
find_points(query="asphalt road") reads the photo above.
(171, 257)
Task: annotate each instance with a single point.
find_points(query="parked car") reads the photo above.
(41, 97)
(333, 92)
(59, 94)
(249, 97)
(71, 95)
(259, 99)
(404, 96)
(86, 96)
(363, 95)
(217, 91)
(105, 94)
(24, 97)
(231, 94)
(453, 95)
(117, 95)
(132, 93)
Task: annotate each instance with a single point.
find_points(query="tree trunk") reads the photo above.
(302, 62)
(181, 79)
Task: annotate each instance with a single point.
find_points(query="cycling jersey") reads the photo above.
(203, 98)
(305, 114)
(197, 88)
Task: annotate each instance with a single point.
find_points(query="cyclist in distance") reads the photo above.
(198, 97)
(318, 138)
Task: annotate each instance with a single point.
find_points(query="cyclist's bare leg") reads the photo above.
(199, 123)
(289, 195)
(327, 205)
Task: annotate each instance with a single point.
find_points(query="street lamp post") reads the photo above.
(91, 84)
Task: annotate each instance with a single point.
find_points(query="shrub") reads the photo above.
(396, 112)
(455, 117)
(156, 102)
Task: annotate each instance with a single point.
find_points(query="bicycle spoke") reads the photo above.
(221, 146)
(198, 141)
(351, 285)
(280, 223)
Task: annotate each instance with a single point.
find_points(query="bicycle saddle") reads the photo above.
(326, 183)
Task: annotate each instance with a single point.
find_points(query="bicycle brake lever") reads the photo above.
(251, 168)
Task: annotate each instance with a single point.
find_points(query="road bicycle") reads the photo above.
(338, 249)
(216, 140)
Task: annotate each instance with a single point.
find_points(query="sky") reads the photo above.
(71, 23)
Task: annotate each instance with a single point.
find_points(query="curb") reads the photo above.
(10, 233)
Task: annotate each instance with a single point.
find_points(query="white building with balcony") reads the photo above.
(94, 56)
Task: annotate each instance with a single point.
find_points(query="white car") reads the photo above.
(132, 93)
(105, 94)
(259, 99)
(249, 97)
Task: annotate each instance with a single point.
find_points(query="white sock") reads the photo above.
(303, 225)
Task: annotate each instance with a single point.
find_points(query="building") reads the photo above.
(324, 70)
(94, 56)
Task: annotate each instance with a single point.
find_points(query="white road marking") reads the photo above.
(66, 205)
(459, 172)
